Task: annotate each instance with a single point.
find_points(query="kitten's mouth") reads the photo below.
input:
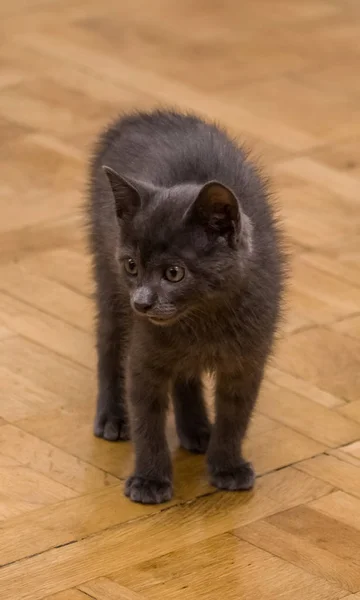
(168, 319)
(163, 321)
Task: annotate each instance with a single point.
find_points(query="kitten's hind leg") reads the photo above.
(111, 422)
(192, 422)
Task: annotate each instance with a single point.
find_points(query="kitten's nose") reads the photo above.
(142, 300)
(142, 307)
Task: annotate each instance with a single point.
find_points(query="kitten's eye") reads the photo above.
(175, 274)
(130, 266)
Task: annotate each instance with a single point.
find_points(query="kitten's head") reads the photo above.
(180, 248)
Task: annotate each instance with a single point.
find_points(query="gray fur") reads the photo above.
(171, 191)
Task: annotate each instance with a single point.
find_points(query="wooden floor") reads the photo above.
(283, 75)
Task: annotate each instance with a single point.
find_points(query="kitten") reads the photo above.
(189, 272)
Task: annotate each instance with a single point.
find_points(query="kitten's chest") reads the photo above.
(210, 351)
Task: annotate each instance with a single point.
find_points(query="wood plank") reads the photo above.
(57, 465)
(307, 417)
(341, 265)
(353, 449)
(303, 387)
(280, 447)
(317, 173)
(106, 589)
(5, 332)
(351, 410)
(224, 565)
(218, 513)
(25, 490)
(329, 533)
(47, 235)
(334, 471)
(46, 330)
(350, 326)
(325, 358)
(67, 266)
(22, 398)
(49, 371)
(46, 295)
(303, 553)
(80, 517)
(329, 300)
(73, 594)
(340, 506)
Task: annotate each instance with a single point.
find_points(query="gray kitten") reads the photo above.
(189, 272)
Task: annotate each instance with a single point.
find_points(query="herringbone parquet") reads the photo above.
(284, 76)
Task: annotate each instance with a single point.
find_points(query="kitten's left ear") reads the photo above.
(217, 209)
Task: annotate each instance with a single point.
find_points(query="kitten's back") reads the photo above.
(167, 148)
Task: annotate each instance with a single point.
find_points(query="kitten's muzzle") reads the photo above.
(144, 303)
(142, 300)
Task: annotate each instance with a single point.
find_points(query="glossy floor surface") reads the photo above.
(282, 75)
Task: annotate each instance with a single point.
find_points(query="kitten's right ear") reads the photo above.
(127, 197)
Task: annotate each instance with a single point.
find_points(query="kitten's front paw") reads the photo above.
(111, 427)
(148, 491)
(196, 441)
(239, 478)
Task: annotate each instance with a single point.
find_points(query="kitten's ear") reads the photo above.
(127, 197)
(217, 208)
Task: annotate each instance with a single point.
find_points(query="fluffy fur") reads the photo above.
(189, 272)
